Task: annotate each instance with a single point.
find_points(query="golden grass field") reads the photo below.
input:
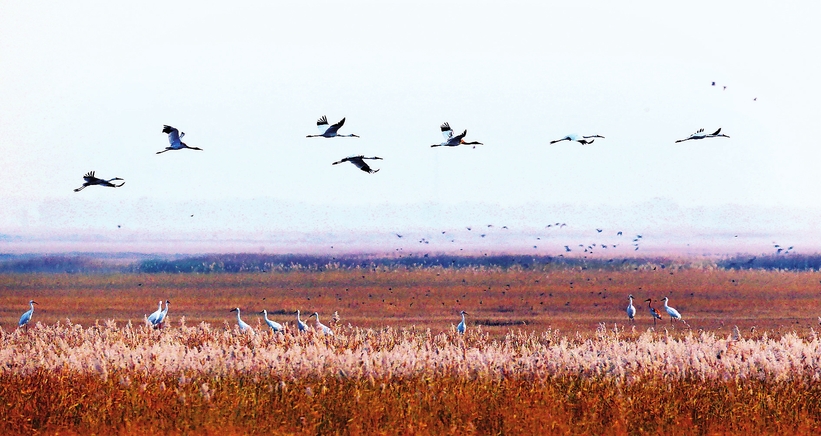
(547, 352)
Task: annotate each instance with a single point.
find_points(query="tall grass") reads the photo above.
(109, 377)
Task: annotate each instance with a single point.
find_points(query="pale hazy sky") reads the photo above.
(88, 85)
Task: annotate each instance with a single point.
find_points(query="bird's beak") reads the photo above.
(34, 302)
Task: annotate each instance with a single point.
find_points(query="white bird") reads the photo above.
(24, 320)
(275, 326)
(243, 326)
(461, 327)
(701, 135)
(163, 314)
(359, 161)
(156, 315)
(301, 325)
(454, 141)
(583, 140)
(670, 311)
(91, 180)
(175, 139)
(631, 310)
(325, 329)
(326, 131)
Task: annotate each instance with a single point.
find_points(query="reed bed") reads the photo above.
(125, 378)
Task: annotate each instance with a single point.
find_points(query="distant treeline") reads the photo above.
(240, 263)
(790, 262)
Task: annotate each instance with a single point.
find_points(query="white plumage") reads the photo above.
(275, 326)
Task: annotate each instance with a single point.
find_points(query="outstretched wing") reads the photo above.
(717, 132)
(361, 164)
(335, 127)
(322, 124)
(89, 177)
(458, 138)
(173, 134)
(447, 132)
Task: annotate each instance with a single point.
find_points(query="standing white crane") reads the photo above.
(243, 326)
(156, 315)
(631, 310)
(653, 312)
(24, 320)
(319, 326)
(91, 180)
(461, 327)
(301, 325)
(583, 140)
(701, 135)
(454, 141)
(359, 161)
(163, 314)
(672, 312)
(175, 139)
(275, 326)
(326, 131)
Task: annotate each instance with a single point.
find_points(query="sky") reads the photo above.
(88, 85)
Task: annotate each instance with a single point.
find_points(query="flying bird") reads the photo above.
(326, 131)
(454, 141)
(583, 140)
(24, 320)
(174, 138)
(359, 161)
(90, 180)
(701, 135)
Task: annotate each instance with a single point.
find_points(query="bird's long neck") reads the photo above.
(463, 318)
(238, 318)
(32, 307)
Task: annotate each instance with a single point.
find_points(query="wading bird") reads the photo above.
(275, 326)
(701, 135)
(163, 314)
(359, 161)
(653, 312)
(325, 329)
(243, 326)
(156, 315)
(454, 141)
(91, 180)
(301, 325)
(583, 140)
(174, 138)
(329, 132)
(631, 310)
(461, 327)
(672, 312)
(24, 320)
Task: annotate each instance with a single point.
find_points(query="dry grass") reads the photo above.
(397, 367)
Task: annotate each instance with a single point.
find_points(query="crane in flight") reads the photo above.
(331, 131)
(26, 317)
(91, 180)
(243, 326)
(360, 163)
(701, 135)
(583, 140)
(175, 139)
(454, 141)
(275, 326)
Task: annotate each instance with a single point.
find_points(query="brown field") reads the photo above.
(499, 300)
(545, 363)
